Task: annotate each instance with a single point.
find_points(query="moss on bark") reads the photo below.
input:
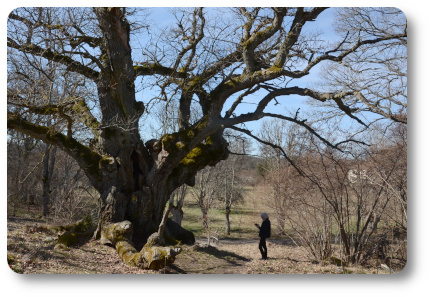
(67, 239)
(71, 233)
(150, 257)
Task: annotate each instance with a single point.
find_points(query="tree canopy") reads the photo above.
(73, 76)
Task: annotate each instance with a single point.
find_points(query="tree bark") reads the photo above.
(177, 214)
(227, 221)
(48, 170)
(176, 210)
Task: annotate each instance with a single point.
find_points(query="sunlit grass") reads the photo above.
(242, 218)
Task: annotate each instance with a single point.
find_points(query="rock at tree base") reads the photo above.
(175, 231)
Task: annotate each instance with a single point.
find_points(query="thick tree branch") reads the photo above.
(328, 57)
(258, 37)
(71, 107)
(84, 114)
(48, 54)
(299, 21)
(239, 100)
(86, 158)
(247, 80)
(400, 118)
(323, 97)
(221, 64)
(229, 123)
(156, 68)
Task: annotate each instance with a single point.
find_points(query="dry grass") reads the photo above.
(31, 250)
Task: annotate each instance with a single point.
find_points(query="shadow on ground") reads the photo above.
(224, 255)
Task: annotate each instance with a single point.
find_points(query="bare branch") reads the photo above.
(247, 132)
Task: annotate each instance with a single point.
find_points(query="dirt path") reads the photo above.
(232, 256)
(241, 241)
(31, 250)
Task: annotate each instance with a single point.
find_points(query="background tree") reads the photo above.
(48, 170)
(348, 194)
(376, 73)
(356, 197)
(230, 181)
(206, 192)
(71, 195)
(309, 218)
(286, 140)
(23, 163)
(177, 202)
(388, 166)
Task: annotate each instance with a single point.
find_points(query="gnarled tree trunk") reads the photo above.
(136, 180)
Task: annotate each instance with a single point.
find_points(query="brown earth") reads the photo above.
(31, 251)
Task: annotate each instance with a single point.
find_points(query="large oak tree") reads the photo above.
(213, 61)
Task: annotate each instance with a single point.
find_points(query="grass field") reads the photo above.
(242, 217)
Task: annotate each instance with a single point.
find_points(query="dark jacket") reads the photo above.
(265, 229)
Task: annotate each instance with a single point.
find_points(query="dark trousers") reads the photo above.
(263, 248)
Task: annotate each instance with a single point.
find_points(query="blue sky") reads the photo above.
(162, 17)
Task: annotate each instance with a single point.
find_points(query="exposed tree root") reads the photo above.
(150, 257)
(70, 234)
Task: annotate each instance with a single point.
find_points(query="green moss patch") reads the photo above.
(67, 239)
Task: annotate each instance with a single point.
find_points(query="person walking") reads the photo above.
(263, 234)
